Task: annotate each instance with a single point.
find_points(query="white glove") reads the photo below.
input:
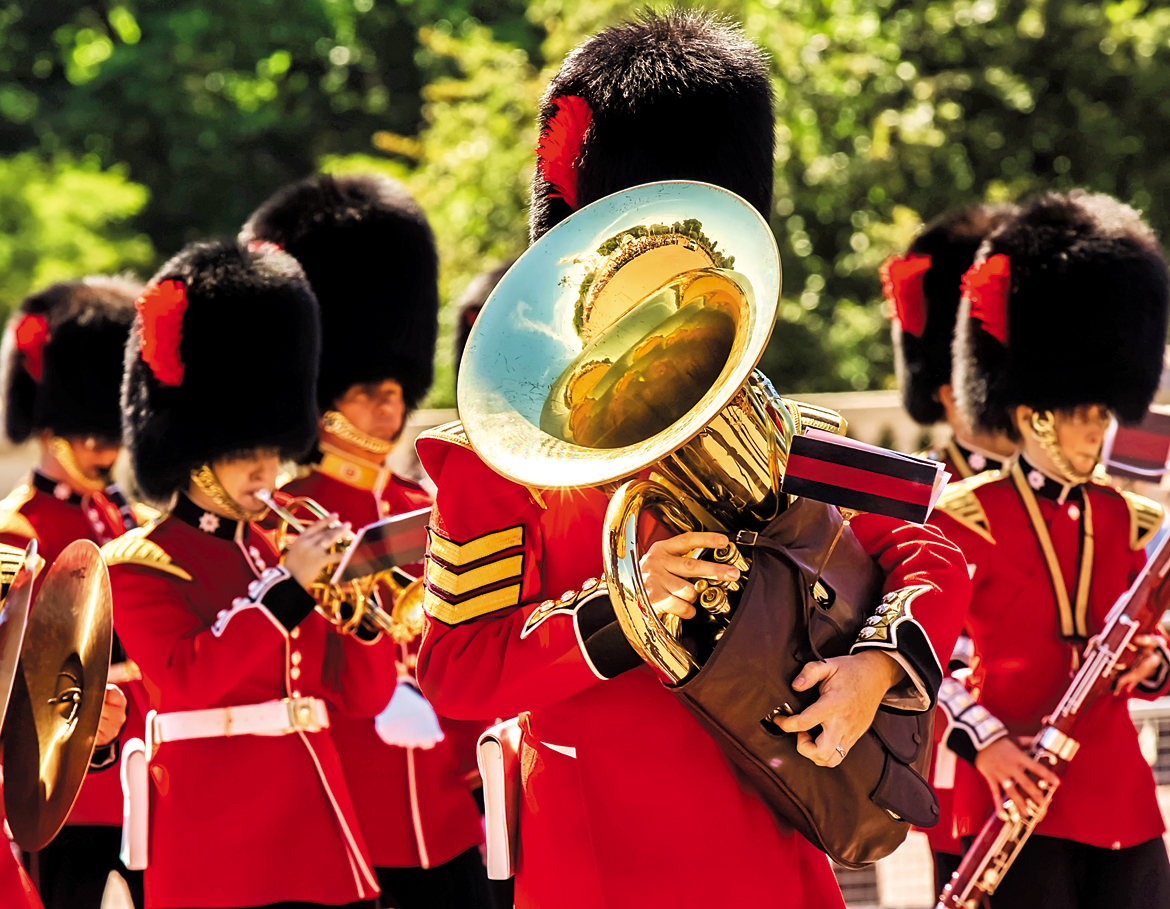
(408, 721)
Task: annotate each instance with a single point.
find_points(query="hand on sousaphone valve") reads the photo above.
(851, 687)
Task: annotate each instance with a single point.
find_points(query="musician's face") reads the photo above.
(376, 408)
(95, 457)
(1080, 433)
(243, 477)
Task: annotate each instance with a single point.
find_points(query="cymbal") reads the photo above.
(57, 697)
(18, 567)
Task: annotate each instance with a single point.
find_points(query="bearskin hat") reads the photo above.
(62, 359)
(369, 254)
(222, 359)
(1066, 305)
(678, 95)
(923, 289)
(472, 301)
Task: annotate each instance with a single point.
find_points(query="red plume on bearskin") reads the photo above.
(986, 284)
(160, 320)
(560, 144)
(902, 284)
(30, 334)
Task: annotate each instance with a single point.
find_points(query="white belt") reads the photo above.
(283, 717)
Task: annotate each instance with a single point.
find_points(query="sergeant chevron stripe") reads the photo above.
(470, 579)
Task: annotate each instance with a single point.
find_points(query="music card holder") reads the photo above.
(849, 474)
(389, 543)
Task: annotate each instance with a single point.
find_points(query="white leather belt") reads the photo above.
(283, 717)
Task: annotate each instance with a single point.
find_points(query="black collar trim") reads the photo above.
(62, 492)
(976, 460)
(1047, 488)
(207, 521)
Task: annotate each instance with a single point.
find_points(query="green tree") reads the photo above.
(65, 218)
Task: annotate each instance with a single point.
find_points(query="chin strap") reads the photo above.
(337, 424)
(62, 451)
(210, 486)
(1044, 430)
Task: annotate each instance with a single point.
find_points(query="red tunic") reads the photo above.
(16, 890)
(627, 801)
(1107, 795)
(247, 820)
(420, 813)
(960, 463)
(57, 522)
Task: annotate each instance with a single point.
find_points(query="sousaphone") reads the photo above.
(625, 341)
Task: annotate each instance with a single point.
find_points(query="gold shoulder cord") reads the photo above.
(336, 424)
(209, 484)
(1072, 624)
(62, 451)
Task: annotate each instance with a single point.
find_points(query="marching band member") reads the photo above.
(922, 289)
(248, 800)
(62, 363)
(1062, 323)
(351, 234)
(627, 801)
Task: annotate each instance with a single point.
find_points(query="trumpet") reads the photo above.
(357, 603)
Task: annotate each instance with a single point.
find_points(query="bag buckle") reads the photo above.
(746, 538)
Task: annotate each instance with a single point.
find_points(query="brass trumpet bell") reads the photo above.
(355, 603)
(619, 335)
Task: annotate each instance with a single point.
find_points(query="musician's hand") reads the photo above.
(309, 554)
(1014, 777)
(113, 716)
(667, 571)
(852, 688)
(1145, 664)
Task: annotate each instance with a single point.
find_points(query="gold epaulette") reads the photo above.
(133, 548)
(1145, 517)
(453, 433)
(11, 520)
(145, 514)
(959, 502)
(810, 416)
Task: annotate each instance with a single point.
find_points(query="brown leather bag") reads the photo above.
(861, 810)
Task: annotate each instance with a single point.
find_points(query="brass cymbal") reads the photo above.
(18, 568)
(57, 696)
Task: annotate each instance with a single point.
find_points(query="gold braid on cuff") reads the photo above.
(336, 424)
(1044, 429)
(60, 449)
(210, 486)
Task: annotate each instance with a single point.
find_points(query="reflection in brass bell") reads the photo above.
(57, 696)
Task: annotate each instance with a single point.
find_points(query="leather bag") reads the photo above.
(862, 809)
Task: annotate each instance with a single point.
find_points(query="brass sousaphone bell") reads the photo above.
(629, 340)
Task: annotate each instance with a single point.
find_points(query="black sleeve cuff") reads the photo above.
(104, 757)
(960, 743)
(289, 603)
(604, 644)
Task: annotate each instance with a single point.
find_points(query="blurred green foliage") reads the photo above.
(888, 113)
(64, 218)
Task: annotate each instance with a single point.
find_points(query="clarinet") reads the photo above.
(1136, 612)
